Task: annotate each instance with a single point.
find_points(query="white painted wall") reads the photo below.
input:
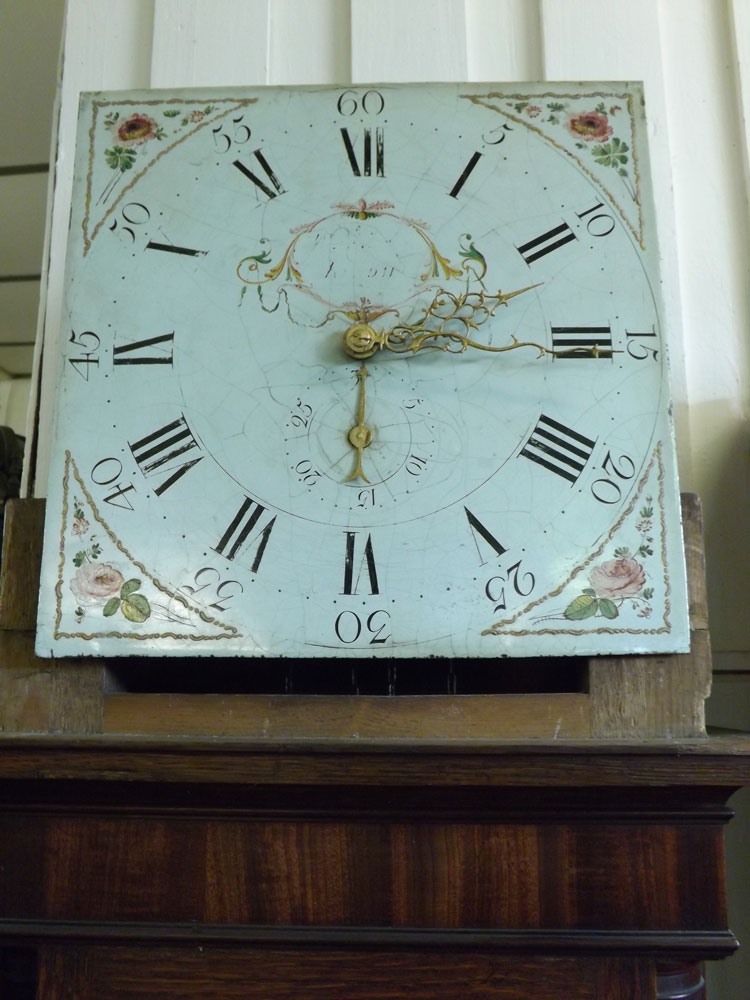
(694, 56)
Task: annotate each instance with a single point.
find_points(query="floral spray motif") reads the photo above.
(592, 130)
(618, 582)
(134, 131)
(101, 585)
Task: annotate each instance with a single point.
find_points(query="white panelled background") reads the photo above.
(694, 57)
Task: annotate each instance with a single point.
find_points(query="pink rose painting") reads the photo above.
(96, 583)
(616, 582)
(589, 125)
(617, 578)
(135, 130)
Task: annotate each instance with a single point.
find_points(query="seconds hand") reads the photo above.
(360, 435)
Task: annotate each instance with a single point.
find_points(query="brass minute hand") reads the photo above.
(360, 435)
(445, 326)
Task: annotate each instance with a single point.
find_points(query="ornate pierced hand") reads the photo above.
(444, 326)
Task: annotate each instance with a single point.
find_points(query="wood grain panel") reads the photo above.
(711, 766)
(299, 873)
(23, 528)
(465, 875)
(208, 973)
(125, 869)
(38, 698)
(535, 716)
(363, 874)
(660, 695)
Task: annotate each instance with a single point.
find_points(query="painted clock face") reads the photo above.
(365, 372)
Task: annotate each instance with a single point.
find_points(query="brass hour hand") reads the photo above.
(360, 435)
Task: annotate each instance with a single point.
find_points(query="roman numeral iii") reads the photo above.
(558, 448)
(582, 341)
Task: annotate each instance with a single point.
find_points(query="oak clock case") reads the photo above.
(363, 372)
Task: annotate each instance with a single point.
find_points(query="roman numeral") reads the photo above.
(156, 453)
(276, 186)
(350, 582)
(558, 448)
(172, 248)
(477, 528)
(239, 533)
(137, 353)
(464, 175)
(366, 169)
(582, 341)
(546, 243)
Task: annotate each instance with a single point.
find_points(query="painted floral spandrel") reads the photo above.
(100, 585)
(134, 131)
(591, 129)
(617, 584)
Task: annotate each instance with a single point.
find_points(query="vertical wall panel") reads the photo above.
(210, 42)
(621, 40)
(106, 46)
(395, 40)
(714, 248)
(310, 42)
(503, 40)
(739, 12)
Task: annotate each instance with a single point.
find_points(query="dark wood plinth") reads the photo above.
(215, 869)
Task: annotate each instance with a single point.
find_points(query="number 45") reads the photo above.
(89, 343)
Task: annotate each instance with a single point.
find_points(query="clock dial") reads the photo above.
(363, 372)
